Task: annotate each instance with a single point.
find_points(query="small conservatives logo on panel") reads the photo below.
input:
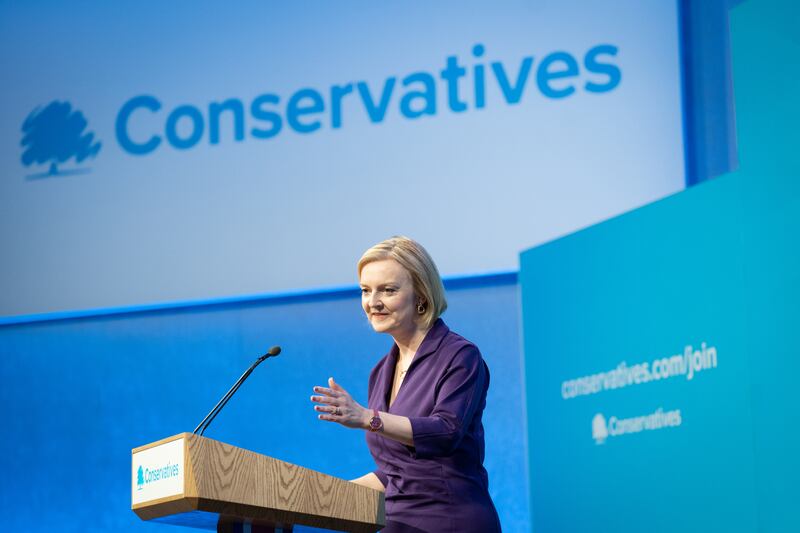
(139, 478)
(599, 430)
(55, 134)
(616, 427)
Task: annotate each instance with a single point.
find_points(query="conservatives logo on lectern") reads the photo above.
(139, 478)
(54, 134)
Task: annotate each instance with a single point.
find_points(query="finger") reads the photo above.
(324, 399)
(332, 410)
(329, 392)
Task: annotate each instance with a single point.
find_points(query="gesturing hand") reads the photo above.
(339, 406)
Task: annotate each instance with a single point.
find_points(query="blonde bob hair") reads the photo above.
(424, 274)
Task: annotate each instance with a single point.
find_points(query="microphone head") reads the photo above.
(275, 350)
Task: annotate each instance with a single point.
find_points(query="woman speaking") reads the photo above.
(426, 400)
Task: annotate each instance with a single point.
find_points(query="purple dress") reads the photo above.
(438, 485)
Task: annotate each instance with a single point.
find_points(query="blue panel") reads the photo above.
(637, 371)
(82, 392)
(765, 52)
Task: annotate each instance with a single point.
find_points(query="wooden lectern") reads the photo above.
(199, 482)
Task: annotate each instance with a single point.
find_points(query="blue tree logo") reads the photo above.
(54, 135)
(139, 478)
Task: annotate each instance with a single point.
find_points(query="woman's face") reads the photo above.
(387, 296)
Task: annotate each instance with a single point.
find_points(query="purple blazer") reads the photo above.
(439, 484)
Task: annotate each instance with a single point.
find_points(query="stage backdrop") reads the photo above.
(155, 151)
(79, 394)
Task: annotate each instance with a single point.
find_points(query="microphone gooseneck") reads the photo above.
(203, 425)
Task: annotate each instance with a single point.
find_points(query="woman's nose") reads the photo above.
(374, 301)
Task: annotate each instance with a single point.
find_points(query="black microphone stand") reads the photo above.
(275, 350)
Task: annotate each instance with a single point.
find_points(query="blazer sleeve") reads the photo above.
(460, 393)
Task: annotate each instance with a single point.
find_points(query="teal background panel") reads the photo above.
(765, 46)
(637, 289)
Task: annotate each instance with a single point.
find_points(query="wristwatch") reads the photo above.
(375, 424)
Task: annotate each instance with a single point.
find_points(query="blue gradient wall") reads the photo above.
(81, 393)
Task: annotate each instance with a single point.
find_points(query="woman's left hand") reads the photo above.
(339, 406)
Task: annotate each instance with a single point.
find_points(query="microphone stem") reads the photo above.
(221, 403)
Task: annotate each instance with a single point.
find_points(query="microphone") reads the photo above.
(202, 426)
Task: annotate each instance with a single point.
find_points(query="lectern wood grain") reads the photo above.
(233, 482)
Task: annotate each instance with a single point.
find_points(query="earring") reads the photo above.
(420, 308)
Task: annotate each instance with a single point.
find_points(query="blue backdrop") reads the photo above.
(83, 392)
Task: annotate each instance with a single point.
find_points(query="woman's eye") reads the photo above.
(389, 290)
(364, 291)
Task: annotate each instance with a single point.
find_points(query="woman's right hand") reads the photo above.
(338, 406)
